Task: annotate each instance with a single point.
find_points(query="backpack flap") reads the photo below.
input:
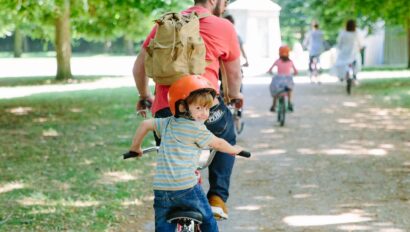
(176, 50)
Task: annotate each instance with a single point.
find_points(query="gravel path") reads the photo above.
(341, 163)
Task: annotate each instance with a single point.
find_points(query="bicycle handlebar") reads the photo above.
(132, 154)
(245, 154)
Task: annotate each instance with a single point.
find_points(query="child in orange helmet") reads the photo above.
(283, 78)
(183, 136)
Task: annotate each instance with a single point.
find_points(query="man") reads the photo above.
(221, 43)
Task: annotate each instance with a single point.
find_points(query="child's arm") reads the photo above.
(295, 71)
(223, 146)
(273, 65)
(142, 130)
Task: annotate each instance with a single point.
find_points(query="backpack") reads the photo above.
(177, 48)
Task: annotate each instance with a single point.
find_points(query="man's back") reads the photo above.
(221, 41)
(315, 42)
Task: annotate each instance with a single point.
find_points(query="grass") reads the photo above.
(385, 68)
(44, 80)
(393, 92)
(61, 164)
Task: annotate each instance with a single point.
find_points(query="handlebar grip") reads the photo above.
(130, 154)
(245, 154)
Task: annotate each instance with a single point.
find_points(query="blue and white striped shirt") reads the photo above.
(181, 143)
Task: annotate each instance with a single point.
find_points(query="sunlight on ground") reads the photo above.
(309, 186)
(43, 211)
(340, 151)
(302, 196)
(115, 177)
(40, 120)
(11, 186)
(76, 110)
(321, 220)
(350, 104)
(268, 152)
(268, 198)
(248, 207)
(20, 110)
(131, 202)
(355, 228)
(28, 201)
(50, 133)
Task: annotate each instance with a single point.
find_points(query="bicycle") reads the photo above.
(282, 107)
(314, 74)
(187, 220)
(350, 77)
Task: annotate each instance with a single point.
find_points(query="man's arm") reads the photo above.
(141, 81)
(234, 76)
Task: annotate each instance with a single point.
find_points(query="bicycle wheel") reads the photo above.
(281, 110)
(349, 85)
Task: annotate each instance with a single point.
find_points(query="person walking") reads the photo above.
(222, 45)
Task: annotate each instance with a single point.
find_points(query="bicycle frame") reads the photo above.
(281, 109)
(314, 70)
(350, 76)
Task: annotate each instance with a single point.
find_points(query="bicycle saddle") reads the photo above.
(179, 215)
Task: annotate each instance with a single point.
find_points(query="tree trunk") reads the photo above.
(63, 43)
(18, 43)
(408, 43)
(129, 46)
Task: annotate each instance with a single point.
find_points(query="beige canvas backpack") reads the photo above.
(177, 48)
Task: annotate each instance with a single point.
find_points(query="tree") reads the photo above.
(98, 20)
(367, 13)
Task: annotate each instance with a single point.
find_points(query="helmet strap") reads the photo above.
(183, 114)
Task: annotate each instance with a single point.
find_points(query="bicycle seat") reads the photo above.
(182, 216)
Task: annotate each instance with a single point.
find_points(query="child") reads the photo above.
(283, 77)
(183, 136)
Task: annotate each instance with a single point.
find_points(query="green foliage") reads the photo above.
(61, 151)
(97, 20)
(332, 14)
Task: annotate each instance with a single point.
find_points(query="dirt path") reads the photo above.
(340, 164)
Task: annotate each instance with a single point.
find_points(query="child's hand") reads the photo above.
(137, 150)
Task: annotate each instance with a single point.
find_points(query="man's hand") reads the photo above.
(237, 101)
(143, 105)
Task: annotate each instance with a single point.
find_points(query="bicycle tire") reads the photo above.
(281, 110)
(349, 85)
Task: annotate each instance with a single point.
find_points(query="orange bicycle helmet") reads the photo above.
(184, 86)
(284, 51)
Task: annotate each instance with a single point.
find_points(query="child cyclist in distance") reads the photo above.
(283, 77)
(183, 136)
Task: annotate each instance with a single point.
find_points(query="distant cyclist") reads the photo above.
(283, 77)
(348, 51)
(315, 44)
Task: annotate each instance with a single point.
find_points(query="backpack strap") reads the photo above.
(224, 82)
(202, 15)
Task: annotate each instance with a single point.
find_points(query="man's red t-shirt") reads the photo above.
(220, 40)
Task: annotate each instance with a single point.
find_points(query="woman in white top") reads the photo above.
(348, 50)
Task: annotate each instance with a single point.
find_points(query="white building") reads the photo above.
(257, 23)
